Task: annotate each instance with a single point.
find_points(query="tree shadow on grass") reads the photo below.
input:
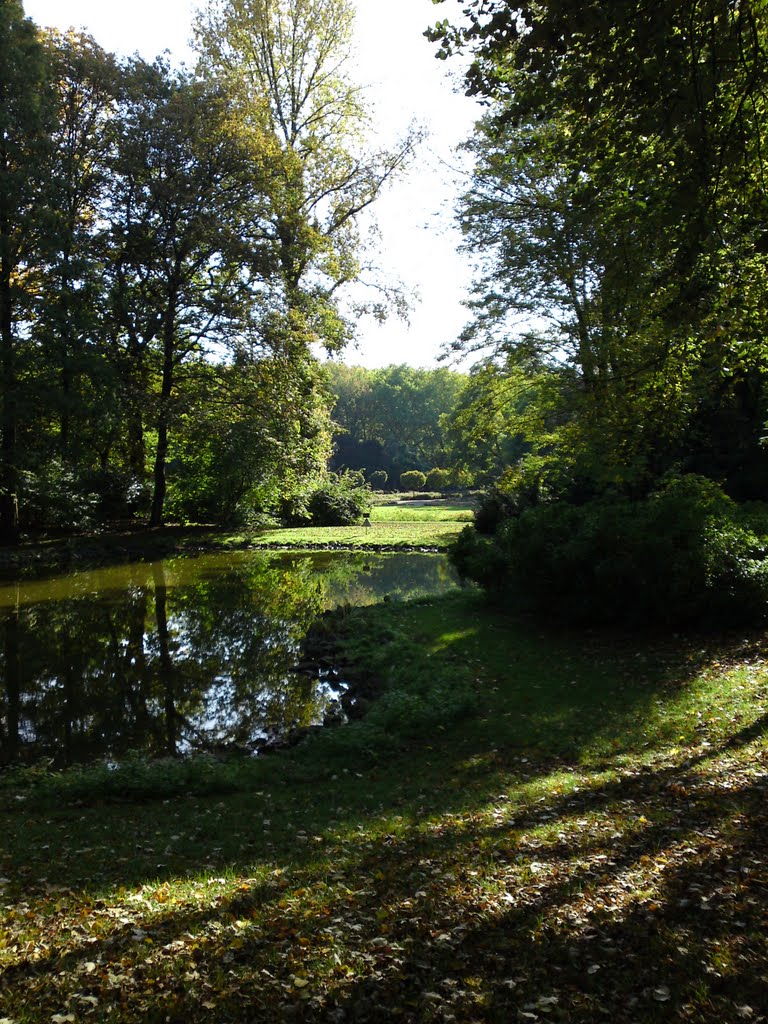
(455, 913)
(650, 907)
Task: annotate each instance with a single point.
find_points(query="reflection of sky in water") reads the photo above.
(188, 654)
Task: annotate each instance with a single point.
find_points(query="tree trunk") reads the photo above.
(161, 455)
(9, 508)
(166, 662)
(12, 657)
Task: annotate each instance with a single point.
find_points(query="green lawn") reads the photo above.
(528, 825)
(434, 526)
(411, 512)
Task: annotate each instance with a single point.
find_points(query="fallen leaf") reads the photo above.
(547, 1001)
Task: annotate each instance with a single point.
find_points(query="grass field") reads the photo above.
(412, 512)
(529, 825)
(404, 525)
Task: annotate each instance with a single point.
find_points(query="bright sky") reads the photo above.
(405, 84)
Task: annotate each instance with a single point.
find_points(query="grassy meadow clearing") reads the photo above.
(404, 524)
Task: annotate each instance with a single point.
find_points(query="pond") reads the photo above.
(186, 655)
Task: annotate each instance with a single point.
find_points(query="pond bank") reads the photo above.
(34, 559)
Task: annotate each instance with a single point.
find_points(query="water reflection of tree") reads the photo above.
(236, 641)
(74, 679)
(190, 654)
(401, 575)
(162, 667)
(11, 666)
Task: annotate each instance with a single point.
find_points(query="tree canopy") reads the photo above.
(618, 207)
(174, 246)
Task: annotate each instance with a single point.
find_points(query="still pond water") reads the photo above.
(188, 654)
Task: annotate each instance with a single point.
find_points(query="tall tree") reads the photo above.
(25, 111)
(186, 192)
(285, 62)
(86, 83)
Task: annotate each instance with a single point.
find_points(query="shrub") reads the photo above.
(684, 554)
(413, 480)
(437, 479)
(508, 497)
(340, 500)
(378, 479)
(56, 497)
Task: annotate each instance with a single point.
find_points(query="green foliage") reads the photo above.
(683, 554)
(339, 500)
(412, 480)
(488, 429)
(393, 418)
(378, 479)
(437, 479)
(258, 438)
(55, 497)
(507, 497)
(616, 219)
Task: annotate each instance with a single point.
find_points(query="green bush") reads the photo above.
(340, 500)
(684, 554)
(413, 480)
(438, 479)
(55, 497)
(378, 479)
(508, 497)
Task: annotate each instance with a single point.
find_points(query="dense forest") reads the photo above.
(174, 250)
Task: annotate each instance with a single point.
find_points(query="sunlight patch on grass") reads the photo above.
(422, 514)
(428, 534)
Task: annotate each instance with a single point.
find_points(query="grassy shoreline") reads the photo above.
(394, 528)
(528, 824)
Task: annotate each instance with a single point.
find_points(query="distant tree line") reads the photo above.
(458, 430)
(173, 246)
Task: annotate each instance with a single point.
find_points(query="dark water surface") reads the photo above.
(183, 655)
